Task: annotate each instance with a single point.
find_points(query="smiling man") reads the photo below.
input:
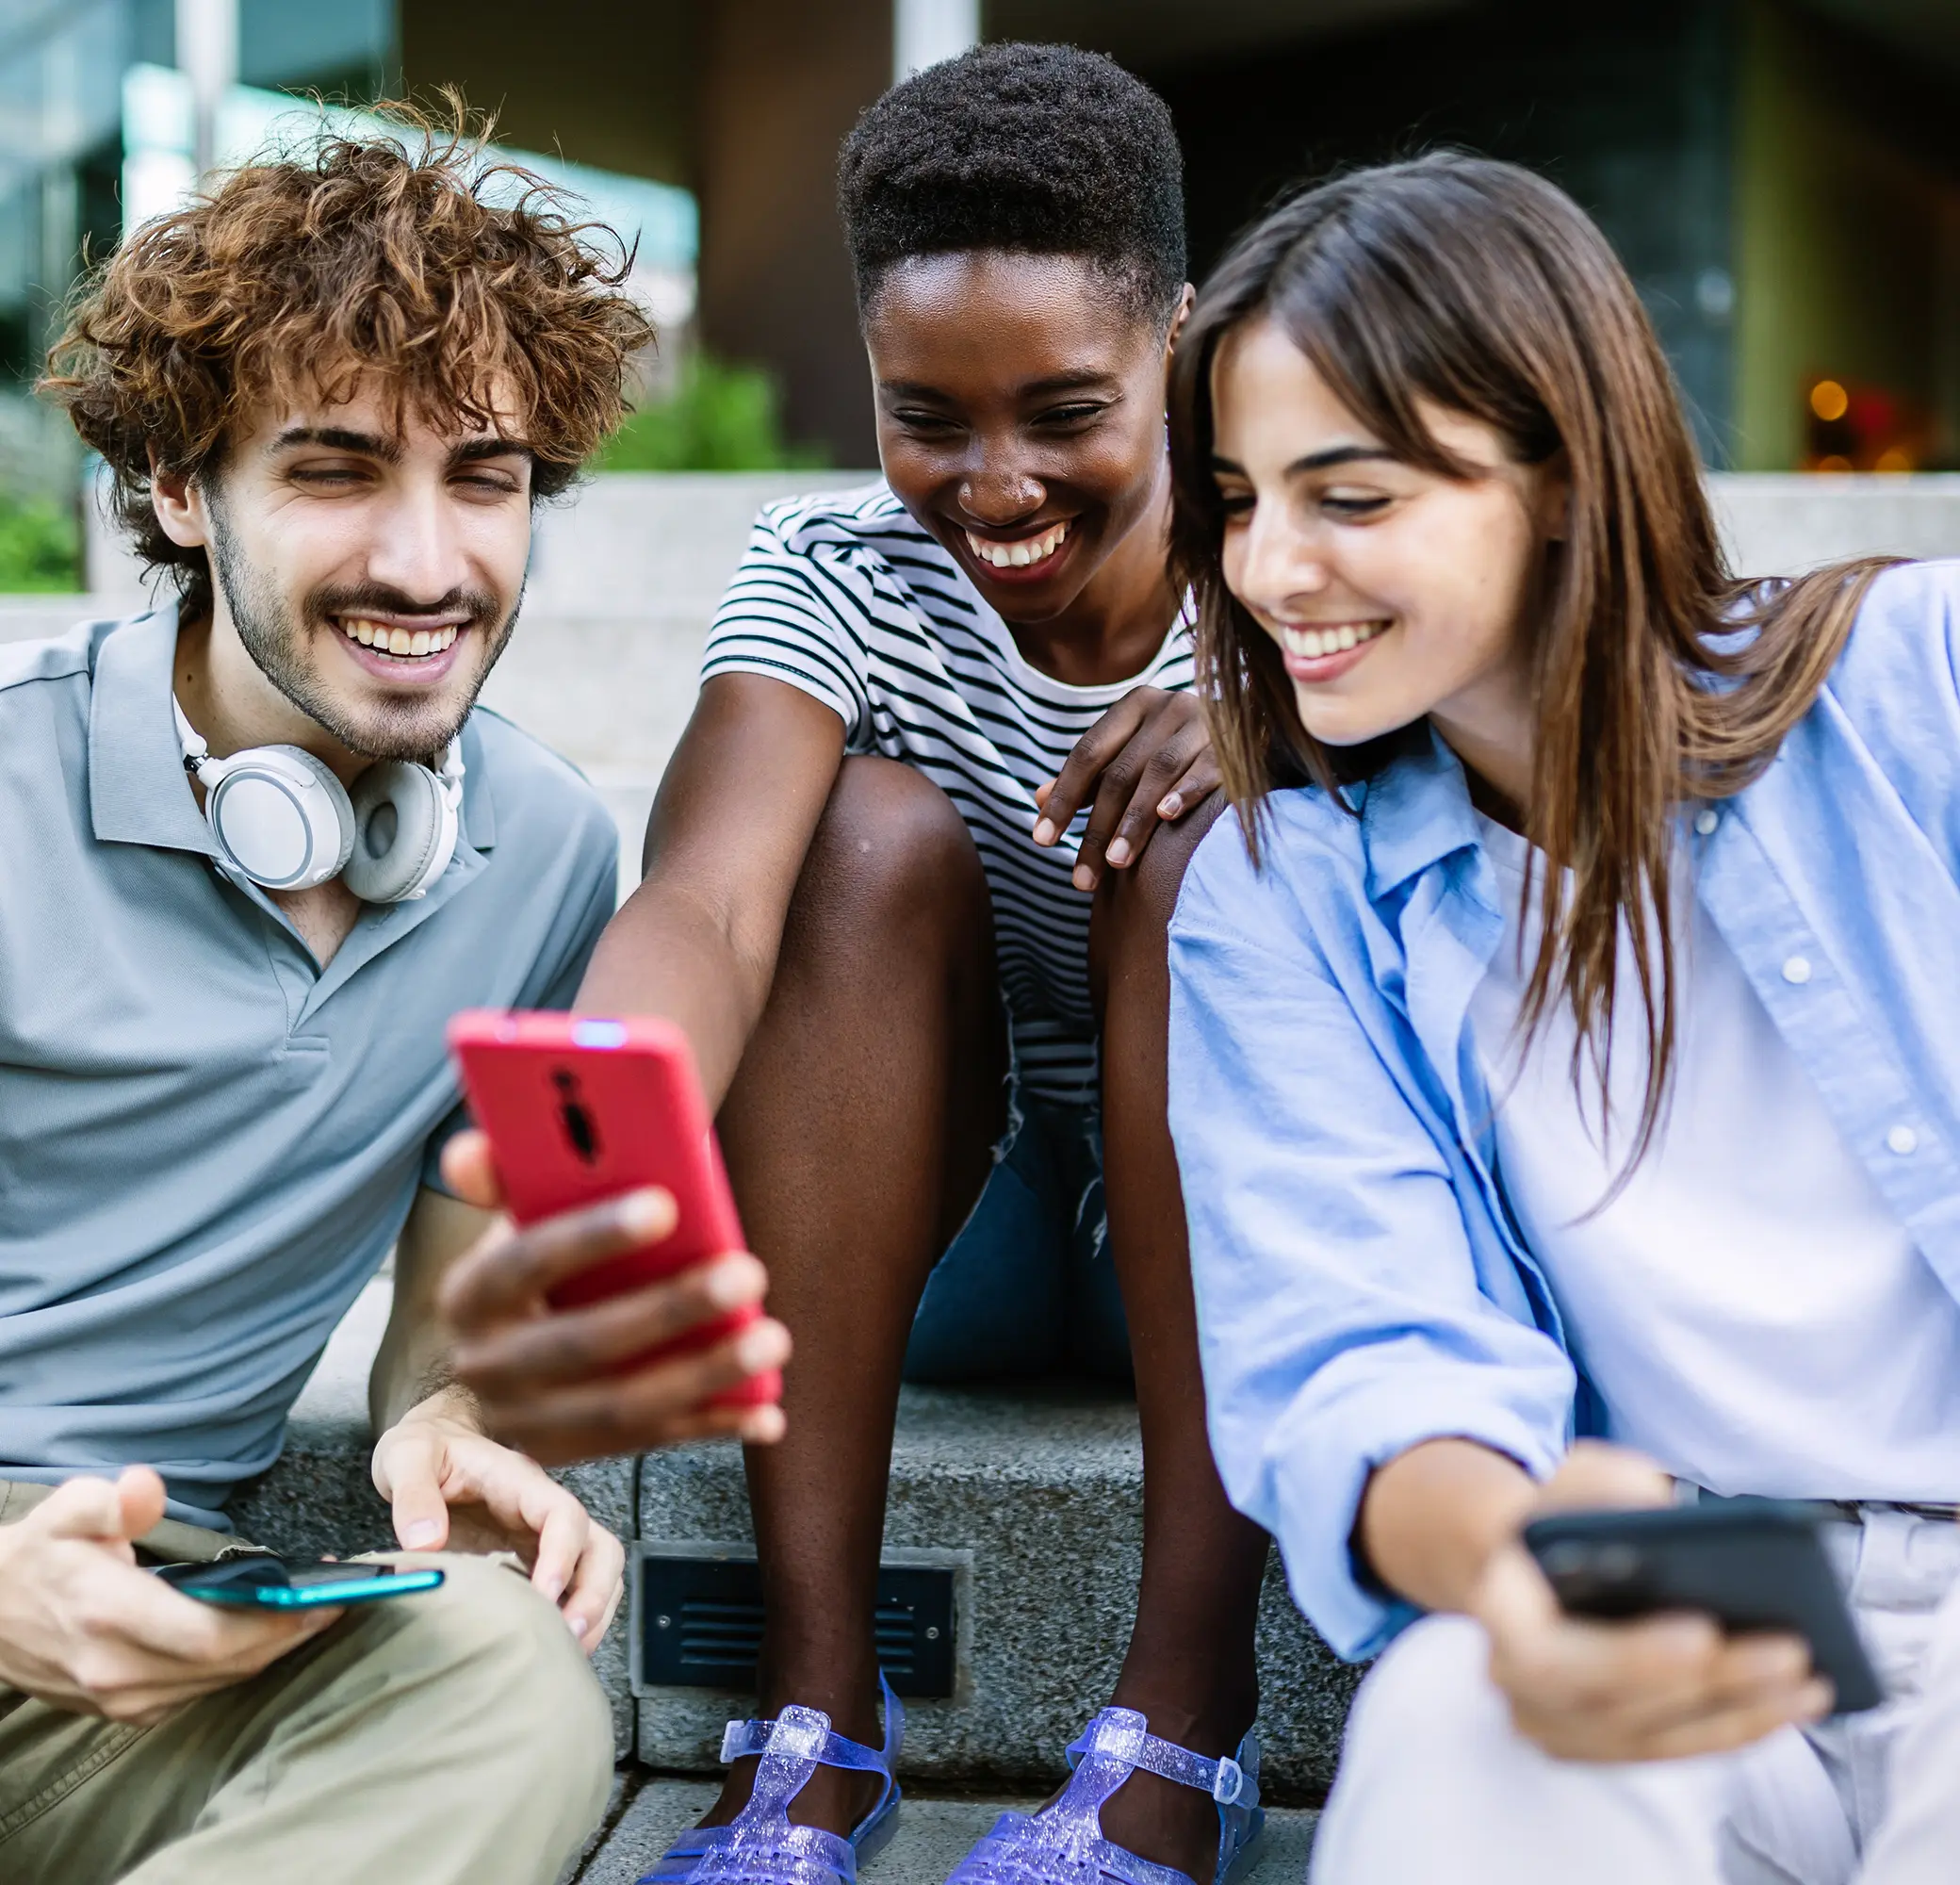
(260, 845)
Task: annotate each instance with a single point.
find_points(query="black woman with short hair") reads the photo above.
(909, 880)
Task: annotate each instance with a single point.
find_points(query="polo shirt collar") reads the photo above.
(139, 791)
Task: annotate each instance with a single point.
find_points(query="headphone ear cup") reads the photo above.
(405, 832)
(282, 817)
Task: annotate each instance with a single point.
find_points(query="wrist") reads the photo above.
(450, 1405)
(1435, 1519)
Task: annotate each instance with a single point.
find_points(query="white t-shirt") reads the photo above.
(1751, 1313)
(845, 597)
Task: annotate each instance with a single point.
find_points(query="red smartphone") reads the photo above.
(581, 1108)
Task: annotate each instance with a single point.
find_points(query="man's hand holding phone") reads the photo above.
(82, 1629)
(547, 1379)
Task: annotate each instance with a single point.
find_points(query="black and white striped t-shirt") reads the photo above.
(845, 597)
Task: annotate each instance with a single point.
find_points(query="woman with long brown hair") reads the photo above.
(1563, 1048)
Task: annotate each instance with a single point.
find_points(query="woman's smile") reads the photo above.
(1322, 652)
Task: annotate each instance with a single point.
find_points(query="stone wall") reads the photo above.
(625, 576)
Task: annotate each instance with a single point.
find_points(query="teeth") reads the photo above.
(401, 642)
(1018, 555)
(1310, 643)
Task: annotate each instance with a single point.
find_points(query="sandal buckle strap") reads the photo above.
(799, 1741)
(1119, 1734)
(806, 1734)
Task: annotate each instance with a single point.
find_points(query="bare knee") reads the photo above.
(891, 852)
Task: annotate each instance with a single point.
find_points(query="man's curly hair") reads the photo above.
(1047, 150)
(412, 256)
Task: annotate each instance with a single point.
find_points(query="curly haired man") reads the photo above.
(260, 845)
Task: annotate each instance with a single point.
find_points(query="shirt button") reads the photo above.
(1797, 969)
(1903, 1140)
(1706, 819)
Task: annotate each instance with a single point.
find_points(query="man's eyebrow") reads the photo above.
(473, 451)
(336, 438)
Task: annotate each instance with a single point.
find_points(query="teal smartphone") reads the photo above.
(287, 1583)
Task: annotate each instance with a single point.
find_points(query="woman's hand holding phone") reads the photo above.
(548, 1377)
(1651, 1688)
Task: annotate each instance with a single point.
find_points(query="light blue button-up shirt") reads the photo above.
(209, 1142)
(1361, 1286)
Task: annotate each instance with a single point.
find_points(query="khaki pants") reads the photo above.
(453, 1736)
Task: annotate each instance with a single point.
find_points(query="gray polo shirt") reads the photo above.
(207, 1145)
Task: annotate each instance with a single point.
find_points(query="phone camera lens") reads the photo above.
(580, 1129)
(1616, 1563)
(1564, 1561)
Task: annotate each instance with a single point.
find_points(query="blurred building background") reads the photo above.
(1782, 176)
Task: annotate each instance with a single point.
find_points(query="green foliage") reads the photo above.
(719, 417)
(40, 549)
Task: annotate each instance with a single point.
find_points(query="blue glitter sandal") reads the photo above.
(760, 1846)
(1063, 1844)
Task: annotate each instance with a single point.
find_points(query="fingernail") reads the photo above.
(730, 1284)
(575, 1623)
(1170, 805)
(553, 1588)
(1119, 852)
(1083, 878)
(1044, 831)
(423, 1532)
(646, 1214)
(758, 1349)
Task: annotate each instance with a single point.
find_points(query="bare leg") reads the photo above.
(1190, 1666)
(858, 1133)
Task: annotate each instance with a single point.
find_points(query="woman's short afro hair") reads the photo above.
(1047, 150)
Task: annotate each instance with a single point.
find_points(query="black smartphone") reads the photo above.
(1752, 1565)
(288, 1583)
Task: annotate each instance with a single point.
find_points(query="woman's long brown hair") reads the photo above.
(1660, 678)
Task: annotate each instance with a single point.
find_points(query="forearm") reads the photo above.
(414, 1360)
(412, 1365)
(665, 954)
(1431, 1518)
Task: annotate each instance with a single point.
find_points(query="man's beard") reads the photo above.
(398, 729)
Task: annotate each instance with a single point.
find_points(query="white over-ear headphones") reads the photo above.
(282, 819)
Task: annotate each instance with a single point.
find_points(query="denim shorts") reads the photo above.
(1027, 1287)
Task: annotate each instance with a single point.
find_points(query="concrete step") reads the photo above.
(1038, 1491)
(650, 1810)
(1035, 1491)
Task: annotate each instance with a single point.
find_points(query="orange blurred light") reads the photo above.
(1893, 460)
(1836, 462)
(1829, 400)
